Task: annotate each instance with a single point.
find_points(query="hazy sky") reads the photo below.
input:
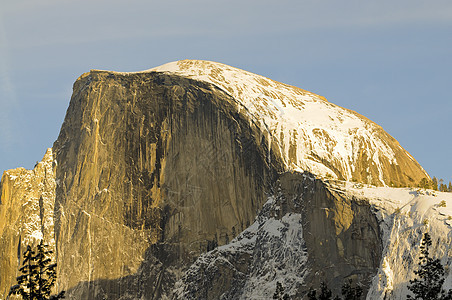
(390, 61)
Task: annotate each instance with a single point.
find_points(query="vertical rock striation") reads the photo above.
(165, 164)
(305, 234)
(26, 215)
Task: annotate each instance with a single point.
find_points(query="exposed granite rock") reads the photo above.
(311, 133)
(304, 235)
(152, 169)
(342, 235)
(26, 215)
(159, 161)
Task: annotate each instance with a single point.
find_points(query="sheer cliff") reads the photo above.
(191, 180)
(305, 233)
(311, 133)
(159, 160)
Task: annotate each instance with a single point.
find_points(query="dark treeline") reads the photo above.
(435, 184)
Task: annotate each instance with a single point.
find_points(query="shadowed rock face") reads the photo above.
(305, 234)
(152, 161)
(342, 237)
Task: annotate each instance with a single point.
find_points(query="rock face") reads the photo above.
(26, 215)
(304, 234)
(311, 133)
(343, 240)
(160, 161)
(153, 169)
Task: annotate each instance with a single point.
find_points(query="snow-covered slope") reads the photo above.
(405, 215)
(276, 248)
(312, 133)
(277, 251)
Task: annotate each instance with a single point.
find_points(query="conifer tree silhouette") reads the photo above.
(428, 285)
(38, 275)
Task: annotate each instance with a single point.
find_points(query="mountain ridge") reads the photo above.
(154, 170)
(311, 133)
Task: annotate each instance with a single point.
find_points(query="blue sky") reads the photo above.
(390, 61)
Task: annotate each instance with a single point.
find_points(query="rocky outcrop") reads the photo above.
(305, 234)
(160, 161)
(311, 133)
(26, 215)
(342, 235)
(153, 169)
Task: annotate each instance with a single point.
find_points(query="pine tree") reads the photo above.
(423, 183)
(325, 292)
(434, 183)
(442, 186)
(279, 293)
(26, 283)
(351, 292)
(428, 285)
(38, 275)
(312, 294)
(450, 186)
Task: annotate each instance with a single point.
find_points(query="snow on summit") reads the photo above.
(311, 133)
